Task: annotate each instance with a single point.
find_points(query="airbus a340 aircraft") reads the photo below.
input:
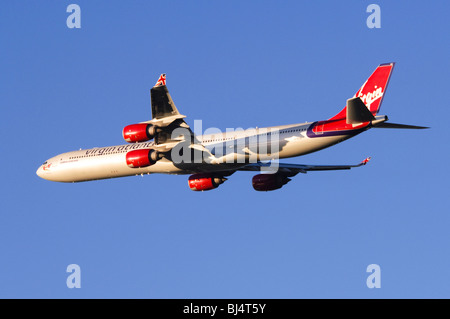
(209, 159)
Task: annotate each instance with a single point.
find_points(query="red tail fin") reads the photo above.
(372, 91)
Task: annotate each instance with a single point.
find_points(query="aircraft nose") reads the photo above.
(39, 171)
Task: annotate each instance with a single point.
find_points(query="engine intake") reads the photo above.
(141, 158)
(139, 132)
(205, 181)
(269, 182)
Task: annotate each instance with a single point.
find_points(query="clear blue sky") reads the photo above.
(231, 64)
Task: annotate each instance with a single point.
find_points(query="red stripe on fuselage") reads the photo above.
(322, 127)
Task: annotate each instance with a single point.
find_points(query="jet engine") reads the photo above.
(269, 182)
(142, 158)
(139, 132)
(205, 181)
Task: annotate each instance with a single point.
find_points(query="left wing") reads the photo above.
(293, 169)
(166, 118)
(164, 111)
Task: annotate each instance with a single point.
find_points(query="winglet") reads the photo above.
(365, 161)
(161, 81)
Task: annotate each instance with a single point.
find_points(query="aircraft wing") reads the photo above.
(293, 169)
(164, 111)
(166, 118)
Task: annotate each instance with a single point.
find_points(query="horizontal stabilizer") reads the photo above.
(357, 111)
(395, 125)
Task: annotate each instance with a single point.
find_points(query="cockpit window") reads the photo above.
(45, 163)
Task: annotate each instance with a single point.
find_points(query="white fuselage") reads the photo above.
(110, 162)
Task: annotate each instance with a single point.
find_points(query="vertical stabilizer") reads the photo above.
(372, 91)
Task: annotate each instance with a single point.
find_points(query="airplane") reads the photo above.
(166, 144)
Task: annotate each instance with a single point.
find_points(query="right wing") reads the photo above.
(293, 169)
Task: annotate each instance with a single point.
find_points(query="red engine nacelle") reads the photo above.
(141, 158)
(269, 182)
(205, 181)
(138, 132)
